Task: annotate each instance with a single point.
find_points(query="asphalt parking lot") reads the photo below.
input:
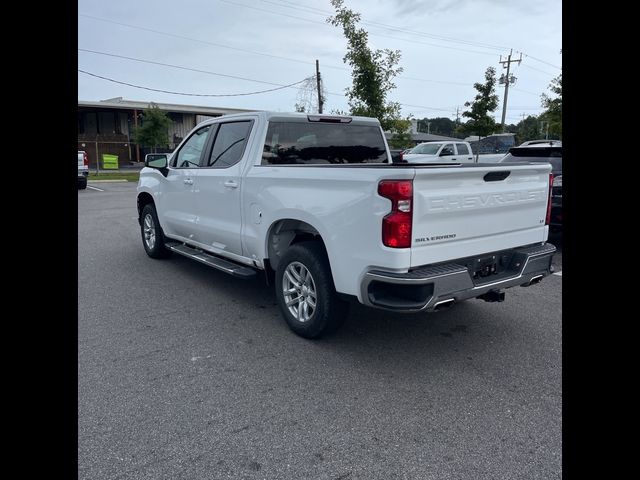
(187, 373)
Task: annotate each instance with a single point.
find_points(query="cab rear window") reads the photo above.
(301, 143)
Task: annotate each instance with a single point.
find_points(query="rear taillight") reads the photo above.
(548, 220)
(86, 160)
(396, 226)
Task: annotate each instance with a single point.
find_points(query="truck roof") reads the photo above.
(295, 116)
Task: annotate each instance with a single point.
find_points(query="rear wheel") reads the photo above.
(82, 183)
(152, 235)
(306, 295)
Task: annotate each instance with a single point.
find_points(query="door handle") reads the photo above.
(188, 181)
(231, 184)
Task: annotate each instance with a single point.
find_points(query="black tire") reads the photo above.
(329, 311)
(152, 235)
(82, 183)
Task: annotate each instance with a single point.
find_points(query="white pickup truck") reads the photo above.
(315, 202)
(440, 152)
(448, 152)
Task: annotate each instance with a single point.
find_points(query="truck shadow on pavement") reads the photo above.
(370, 332)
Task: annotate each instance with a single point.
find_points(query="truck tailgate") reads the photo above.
(472, 210)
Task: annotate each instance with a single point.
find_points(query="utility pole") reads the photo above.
(457, 115)
(544, 125)
(507, 80)
(428, 128)
(320, 102)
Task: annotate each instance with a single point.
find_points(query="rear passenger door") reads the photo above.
(219, 187)
(463, 155)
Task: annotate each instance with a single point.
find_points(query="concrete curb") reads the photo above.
(108, 181)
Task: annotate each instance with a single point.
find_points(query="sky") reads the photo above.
(231, 47)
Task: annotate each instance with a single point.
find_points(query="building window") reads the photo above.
(106, 123)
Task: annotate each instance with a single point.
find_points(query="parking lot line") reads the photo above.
(558, 273)
(95, 188)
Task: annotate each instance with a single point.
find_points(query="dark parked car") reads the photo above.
(548, 152)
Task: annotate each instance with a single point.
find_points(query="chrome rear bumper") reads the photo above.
(428, 287)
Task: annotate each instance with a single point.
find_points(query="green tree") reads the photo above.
(553, 114)
(401, 130)
(486, 101)
(528, 129)
(154, 130)
(510, 128)
(372, 71)
(438, 126)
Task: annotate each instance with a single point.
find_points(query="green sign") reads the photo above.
(109, 162)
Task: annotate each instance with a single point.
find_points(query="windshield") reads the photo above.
(427, 149)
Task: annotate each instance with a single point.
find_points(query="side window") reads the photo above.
(462, 149)
(447, 150)
(189, 154)
(229, 144)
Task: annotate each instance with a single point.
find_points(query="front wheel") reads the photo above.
(152, 235)
(305, 291)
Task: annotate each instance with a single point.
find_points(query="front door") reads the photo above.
(178, 201)
(448, 154)
(219, 187)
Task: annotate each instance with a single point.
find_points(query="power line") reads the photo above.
(538, 60)
(253, 52)
(373, 34)
(178, 67)
(426, 108)
(526, 91)
(538, 70)
(402, 104)
(182, 37)
(225, 75)
(187, 94)
(400, 77)
(317, 11)
(226, 95)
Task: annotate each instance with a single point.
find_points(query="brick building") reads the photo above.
(106, 126)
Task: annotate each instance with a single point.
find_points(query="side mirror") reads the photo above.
(156, 160)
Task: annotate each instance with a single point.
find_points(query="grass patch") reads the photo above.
(128, 176)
